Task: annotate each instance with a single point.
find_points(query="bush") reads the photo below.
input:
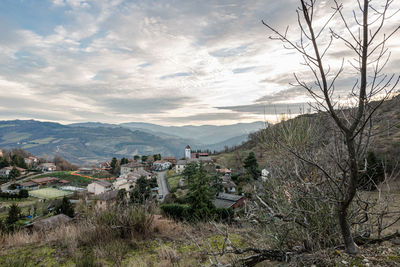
(65, 207)
(176, 211)
(224, 215)
(126, 222)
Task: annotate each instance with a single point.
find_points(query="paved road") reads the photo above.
(5, 186)
(162, 184)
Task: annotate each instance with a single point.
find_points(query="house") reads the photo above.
(125, 183)
(131, 167)
(47, 167)
(181, 164)
(105, 166)
(224, 171)
(51, 222)
(30, 185)
(265, 174)
(228, 184)
(45, 180)
(161, 165)
(5, 171)
(99, 186)
(140, 173)
(224, 200)
(172, 160)
(198, 155)
(106, 199)
(31, 161)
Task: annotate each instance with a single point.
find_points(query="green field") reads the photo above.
(73, 179)
(173, 181)
(48, 193)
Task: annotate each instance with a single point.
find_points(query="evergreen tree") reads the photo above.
(14, 214)
(14, 173)
(124, 161)
(201, 196)
(23, 193)
(65, 207)
(141, 192)
(3, 163)
(114, 165)
(190, 171)
(136, 157)
(157, 157)
(217, 184)
(251, 165)
(144, 158)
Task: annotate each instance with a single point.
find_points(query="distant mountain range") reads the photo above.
(83, 143)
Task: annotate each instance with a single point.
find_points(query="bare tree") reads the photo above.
(370, 56)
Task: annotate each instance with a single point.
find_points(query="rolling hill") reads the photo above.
(80, 144)
(83, 143)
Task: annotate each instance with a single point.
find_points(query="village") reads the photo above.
(36, 188)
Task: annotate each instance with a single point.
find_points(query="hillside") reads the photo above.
(84, 144)
(204, 134)
(385, 140)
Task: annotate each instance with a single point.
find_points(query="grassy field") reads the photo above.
(173, 180)
(73, 179)
(48, 193)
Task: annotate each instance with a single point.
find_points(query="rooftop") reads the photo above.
(221, 203)
(229, 197)
(109, 195)
(132, 165)
(103, 183)
(44, 179)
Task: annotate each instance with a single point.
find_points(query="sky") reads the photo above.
(169, 62)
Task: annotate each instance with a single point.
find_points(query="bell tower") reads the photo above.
(187, 152)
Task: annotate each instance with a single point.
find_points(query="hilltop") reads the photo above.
(385, 139)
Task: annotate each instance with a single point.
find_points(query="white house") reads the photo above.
(161, 165)
(98, 187)
(123, 183)
(180, 166)
(5, 171)
(131, 167)
(265, 174)
(47, 167)
(30, 161)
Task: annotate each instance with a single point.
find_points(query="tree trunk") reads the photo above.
(350, 246)
(349, 194)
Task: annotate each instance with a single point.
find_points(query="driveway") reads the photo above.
(162, 184)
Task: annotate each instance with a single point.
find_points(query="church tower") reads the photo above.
(187, 152)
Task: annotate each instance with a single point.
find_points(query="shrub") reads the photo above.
(224, 215)
(176, 211)
(126, 222)
(65, 207)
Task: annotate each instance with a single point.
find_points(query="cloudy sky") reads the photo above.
(169, 62)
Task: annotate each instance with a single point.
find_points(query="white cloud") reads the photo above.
(198, 54)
